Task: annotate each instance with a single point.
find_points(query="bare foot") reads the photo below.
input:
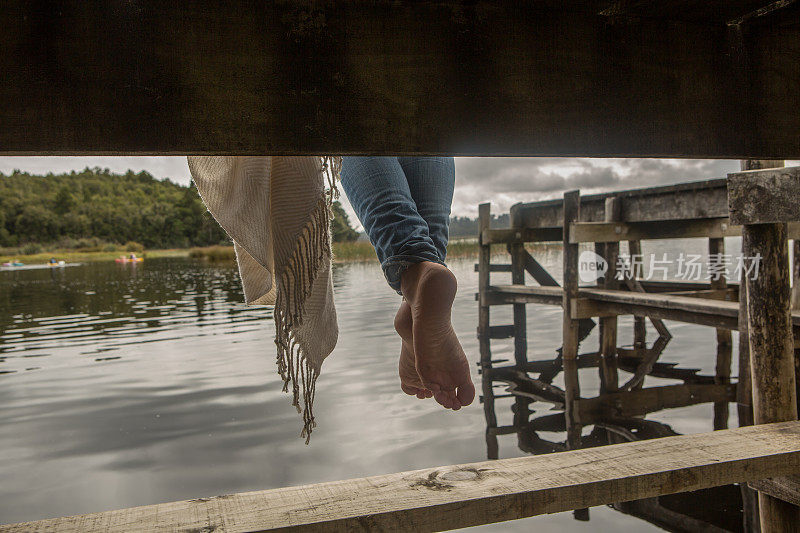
(430, 289)
(409, 379)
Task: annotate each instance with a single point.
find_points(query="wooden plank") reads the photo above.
(663, 229)
(484, 78)
(494, 268)
(449, 497)
(501, 332)
(512, 235)
(692, 200)
(762, 196)
(784, 488)
(647, 400)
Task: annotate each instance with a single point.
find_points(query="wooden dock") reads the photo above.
(710, 210)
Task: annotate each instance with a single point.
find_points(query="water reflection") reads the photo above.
(125, 387)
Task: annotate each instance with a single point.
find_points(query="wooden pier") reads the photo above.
(763, 201)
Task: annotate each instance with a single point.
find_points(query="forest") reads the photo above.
(97, 206)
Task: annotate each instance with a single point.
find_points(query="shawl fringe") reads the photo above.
(293, 289)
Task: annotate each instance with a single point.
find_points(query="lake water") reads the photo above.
(126, 385)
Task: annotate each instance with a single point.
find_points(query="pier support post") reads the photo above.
(518, 259)
(768, 297)
(572, 203)
(722, 376)
(572, 390)
(484, 258)
(609, 374)
(771, 350)
(639, 324)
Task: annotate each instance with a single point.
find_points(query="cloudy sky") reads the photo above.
(500, 180)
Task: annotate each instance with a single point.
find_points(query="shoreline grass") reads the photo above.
(77, 256)
(343, 252)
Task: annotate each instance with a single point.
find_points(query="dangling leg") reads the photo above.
(379, 193)
(430, 287)
(412, 260)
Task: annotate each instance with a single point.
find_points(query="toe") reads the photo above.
(466, 393)
(411, 391)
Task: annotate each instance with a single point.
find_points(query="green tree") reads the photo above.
(340, 226)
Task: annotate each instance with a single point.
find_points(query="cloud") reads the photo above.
(506, 181)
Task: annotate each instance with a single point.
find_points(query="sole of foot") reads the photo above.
(430, 289)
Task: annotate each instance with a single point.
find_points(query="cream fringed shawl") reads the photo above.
(278, 213)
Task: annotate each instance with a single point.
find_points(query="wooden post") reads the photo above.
(771, 350)
(518, 261)
(722, 376)
(744, 388)
(609, 375)
(570, 335)
(572, 204)
(770, 336)
(484, 259)
(795, 307)
(639, 324)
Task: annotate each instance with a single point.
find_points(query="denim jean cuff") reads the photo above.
(395, 265)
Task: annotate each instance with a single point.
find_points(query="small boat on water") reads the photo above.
(13, 264)
(55, 264)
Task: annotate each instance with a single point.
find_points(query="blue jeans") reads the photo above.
(404, 205)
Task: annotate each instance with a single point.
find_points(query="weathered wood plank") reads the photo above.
(669, 229)
(480, 78)
(455, 496)
(692, 200)
(771, 349)
(762, 196)
(784, 488)
(512, 235)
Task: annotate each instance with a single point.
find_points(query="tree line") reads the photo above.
(115, 208)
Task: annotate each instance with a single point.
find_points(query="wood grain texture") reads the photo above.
(477, 78)
(763, 196)
(464, 495)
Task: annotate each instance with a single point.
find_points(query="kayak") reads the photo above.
(58, 264)
(129, 260)
(13, 264)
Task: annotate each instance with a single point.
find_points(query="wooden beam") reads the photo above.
(663, 229)
(521, 235)
(346, 77)
(762, 196)
(692, 200)
(449, 497)
(784, 488)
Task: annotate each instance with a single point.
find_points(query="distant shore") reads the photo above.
(343, 252)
